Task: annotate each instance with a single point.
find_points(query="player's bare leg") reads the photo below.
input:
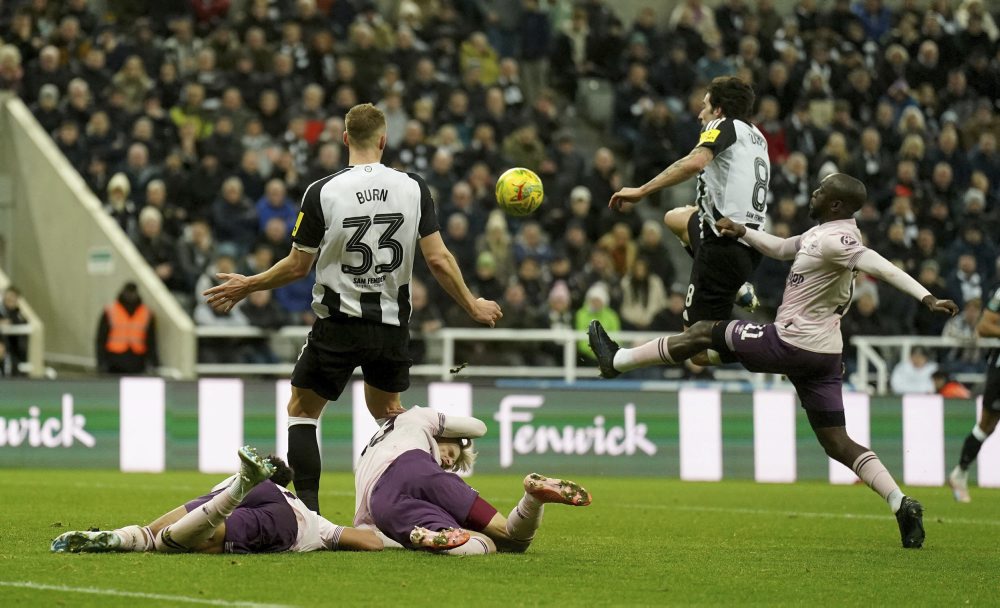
(677, 221)
(867, 466)
(382, 404)
(304, 409)
(958, 479)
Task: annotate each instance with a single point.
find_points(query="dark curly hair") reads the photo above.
(733, 95)
(282, 472)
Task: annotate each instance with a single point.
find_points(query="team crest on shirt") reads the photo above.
(848, 240)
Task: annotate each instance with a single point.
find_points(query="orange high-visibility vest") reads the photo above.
(126, 332)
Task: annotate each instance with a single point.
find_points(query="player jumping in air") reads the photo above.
(804, 342)
(733, 171)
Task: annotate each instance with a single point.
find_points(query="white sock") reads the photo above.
(525, 518)
(475, 546)
(654, 352)
(979, 433)
(387, 543)
(871, 471)
(198, 525)
(135, 538)
(959, 473)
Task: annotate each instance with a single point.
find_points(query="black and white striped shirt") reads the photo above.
(364, 223)
(993, 305)
(735, 183)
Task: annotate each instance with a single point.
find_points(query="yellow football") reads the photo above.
(519, 191)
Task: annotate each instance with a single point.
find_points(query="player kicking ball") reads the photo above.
(804, 342)
(250, 512)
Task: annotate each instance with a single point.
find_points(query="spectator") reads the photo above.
(963, 328)
(531, 242)
(263, 312)
(497, 241)
(862, 319)
(8, 367)
(644, 297)
(218, 350)
(119, 206)
(619, 244)
(47, 110)
(425, 319)
(234, 218)
(929, 276)
(652, 248)
(15, 347)
(948, 388)
(485, 283)
(965, 282)
(596, 307)
(159, 250)
(11, 72)
(460, 242)
(133, 82)
(275, 204)
(195, 251)
(671, 318)
(126, 335)
(913, 375)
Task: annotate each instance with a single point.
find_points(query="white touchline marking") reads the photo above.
(136, 594)
(807, 514)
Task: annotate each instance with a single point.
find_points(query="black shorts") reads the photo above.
(721, 266)
(991, 392)
(335, 348)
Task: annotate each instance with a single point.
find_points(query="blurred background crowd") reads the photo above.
(200, 123)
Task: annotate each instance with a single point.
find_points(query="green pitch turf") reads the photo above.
(642, 542)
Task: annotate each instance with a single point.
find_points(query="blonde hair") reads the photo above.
(365, 124)
(466, 458)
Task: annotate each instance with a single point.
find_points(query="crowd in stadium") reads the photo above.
(199, 125)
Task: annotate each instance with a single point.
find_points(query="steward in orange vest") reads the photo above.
(126, 336)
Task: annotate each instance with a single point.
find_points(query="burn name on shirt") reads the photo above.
(371, 195)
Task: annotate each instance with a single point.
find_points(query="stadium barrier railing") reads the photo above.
(868, 354)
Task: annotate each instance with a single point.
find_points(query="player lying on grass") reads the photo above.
(246, 513)
(403, 485)
(804, 342)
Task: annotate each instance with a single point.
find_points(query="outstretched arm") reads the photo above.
(462, 426)
(680, 171)
(877, 266)
(447, 273)
(291, 268)
(768, 244)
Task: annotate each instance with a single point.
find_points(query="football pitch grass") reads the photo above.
(643, 541)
